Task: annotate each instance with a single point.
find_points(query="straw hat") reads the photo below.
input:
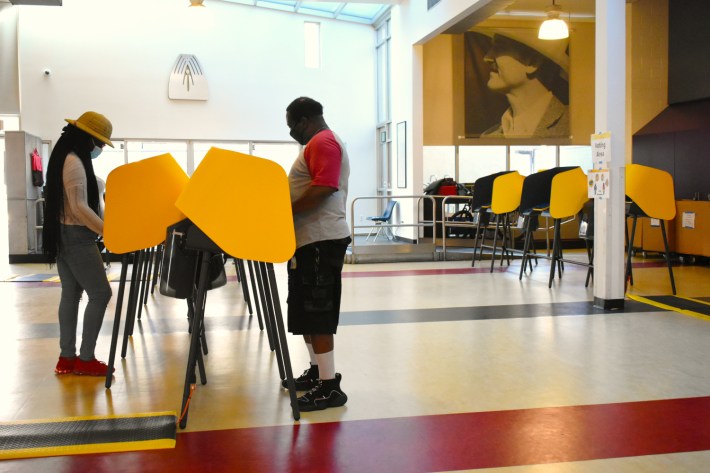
(94, 124)
(555, 50)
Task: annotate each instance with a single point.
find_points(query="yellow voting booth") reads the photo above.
(239, 205)
(242, 203)
(233, 204)
(140, 203)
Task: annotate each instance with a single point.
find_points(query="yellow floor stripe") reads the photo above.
(668, 307)
(94, 417)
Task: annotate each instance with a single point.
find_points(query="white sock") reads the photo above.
(326, 365)
(312, 354)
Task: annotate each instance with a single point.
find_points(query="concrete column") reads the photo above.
(610, 116)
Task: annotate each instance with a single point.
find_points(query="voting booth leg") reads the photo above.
(284, 345)
(143, 281)
(262, 294)
(629, 279)
(131, 310)
(271, 317)
(156, 268)
(556, 253)
(195, 331)
(117, 320)
(241, 274)
(203, 339)
(147, 282)
(256, 295)
(668, 255)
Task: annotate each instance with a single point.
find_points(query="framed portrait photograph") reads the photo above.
(515, 85)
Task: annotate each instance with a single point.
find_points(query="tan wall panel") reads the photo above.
(649, 61)
(438, 91)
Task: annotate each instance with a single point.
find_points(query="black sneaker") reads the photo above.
(324, 395)
(306, 381)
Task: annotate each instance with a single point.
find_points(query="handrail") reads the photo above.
(394, 225)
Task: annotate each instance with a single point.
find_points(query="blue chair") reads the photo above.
(380, 220)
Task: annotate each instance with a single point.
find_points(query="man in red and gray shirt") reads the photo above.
(319, 188)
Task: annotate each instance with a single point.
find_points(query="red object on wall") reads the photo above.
(448, 190)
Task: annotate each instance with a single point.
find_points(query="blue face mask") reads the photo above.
(95, 152)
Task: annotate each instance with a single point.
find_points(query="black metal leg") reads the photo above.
(148, 266)
(262, 293)
(668, 255)
(526, 246)
(555, 252)
(495, 239)
(629, 249)
(132, 300)
(156, 267)
(196, 329)
(475, 239)
(145, 263)
(256, 295)
(241, 275)
(269, 315)
(117, 320)
(284, 345)
(590, 257)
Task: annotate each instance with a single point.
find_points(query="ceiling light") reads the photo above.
(196, 3)
(553, 27)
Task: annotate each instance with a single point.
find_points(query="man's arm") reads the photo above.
(312, 198)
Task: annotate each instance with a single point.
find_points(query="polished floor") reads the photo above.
(447, 368)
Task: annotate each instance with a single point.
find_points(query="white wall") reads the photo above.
(115, 57)
(412, 25)
(9, 87)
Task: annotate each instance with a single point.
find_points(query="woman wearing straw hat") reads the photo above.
(71, 226)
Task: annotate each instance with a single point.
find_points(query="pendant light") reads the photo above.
(553, 27)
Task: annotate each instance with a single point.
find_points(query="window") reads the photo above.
(531, 159)
(110, 159)
(383, 72)
(283, 153)
(311, 33)
(438, 162)
(576, 156)
(140, 150)
(200, 149)
(479, 161)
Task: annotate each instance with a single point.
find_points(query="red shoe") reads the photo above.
(91, 368)
(65, 365)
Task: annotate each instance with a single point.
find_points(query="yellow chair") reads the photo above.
(507, 190)
(649, 193)
(568, 196)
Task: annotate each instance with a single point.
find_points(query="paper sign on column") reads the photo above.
(601, 150)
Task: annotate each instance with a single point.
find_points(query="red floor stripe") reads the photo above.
(424, 444)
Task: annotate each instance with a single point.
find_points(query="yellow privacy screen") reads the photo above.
(140, 203)
(243, 204)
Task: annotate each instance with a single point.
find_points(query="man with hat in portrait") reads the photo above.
(532, 74)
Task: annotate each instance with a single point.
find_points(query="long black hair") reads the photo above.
(73, 140)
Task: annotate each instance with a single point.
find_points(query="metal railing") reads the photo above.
(394, 226)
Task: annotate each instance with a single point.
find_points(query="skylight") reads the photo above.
(367, 13)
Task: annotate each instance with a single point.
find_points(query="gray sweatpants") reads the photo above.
(80, 269)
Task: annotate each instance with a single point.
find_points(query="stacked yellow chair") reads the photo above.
(649, 193)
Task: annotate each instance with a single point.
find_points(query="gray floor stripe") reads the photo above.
(155, 325)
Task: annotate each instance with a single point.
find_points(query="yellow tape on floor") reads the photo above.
(92, 434)
(669, 307)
